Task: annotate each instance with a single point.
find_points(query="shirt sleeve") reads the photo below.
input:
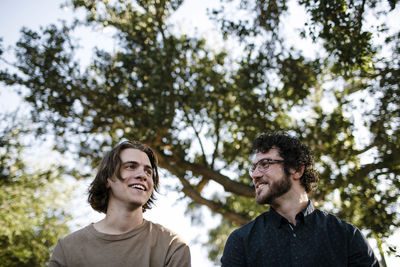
(179, 254)
(57, 258)
(234, 253)
(361, 254)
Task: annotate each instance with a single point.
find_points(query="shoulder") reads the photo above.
(359, 251)
(164, 233)
(250, 228)
(77, 236)
(67, 244)
(177, 250)
(334, 224)
(237, 244)
(333, 220)
(160, 229)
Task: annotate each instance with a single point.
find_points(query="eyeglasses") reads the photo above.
(263, 165)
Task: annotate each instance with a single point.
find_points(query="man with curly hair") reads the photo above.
(292, 232)
(123, 189)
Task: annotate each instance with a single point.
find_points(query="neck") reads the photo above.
(290, 204)
(119, 221)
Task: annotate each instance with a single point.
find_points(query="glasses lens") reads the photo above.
(251, 169)
(263, 165)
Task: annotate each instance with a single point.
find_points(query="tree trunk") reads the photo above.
(379, 243)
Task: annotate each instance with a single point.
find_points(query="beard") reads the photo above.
(276, 190)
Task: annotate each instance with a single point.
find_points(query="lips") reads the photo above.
(261, 184)
(138, 186)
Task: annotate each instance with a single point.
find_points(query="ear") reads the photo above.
(108, 185)
(298, 173)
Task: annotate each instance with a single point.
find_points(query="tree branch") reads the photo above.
(191, 192)
(228, 184)
(198, 137)
(360, 14)
(215, 153)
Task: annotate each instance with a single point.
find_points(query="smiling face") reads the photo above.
(272, 183)
(136, 185)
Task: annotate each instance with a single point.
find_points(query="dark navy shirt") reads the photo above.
(318, 239)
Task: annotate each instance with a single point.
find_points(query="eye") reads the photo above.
(264, 163)
(253, 167)
(149, 172)
(130, 166)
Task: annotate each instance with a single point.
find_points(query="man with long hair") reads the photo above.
(292, 232)
(123, 189)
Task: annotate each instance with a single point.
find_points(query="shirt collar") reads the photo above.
(277, 220)
(309, 209)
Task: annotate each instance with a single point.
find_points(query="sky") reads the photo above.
(170, 208)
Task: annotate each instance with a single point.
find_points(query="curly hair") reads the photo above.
(110, 167)
(294, 153)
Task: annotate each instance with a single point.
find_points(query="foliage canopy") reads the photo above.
(31, 217)
(200, 106)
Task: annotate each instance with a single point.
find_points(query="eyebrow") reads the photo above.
(136, 163)
(268, 159)
(253, 163)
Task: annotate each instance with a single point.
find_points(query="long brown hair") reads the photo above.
(109, 167)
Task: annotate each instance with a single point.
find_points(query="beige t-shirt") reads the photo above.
(149, 245)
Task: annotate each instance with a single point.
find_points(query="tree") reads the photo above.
(31, 221)
(199, 107)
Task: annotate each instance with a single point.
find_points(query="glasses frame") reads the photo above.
(253, 167)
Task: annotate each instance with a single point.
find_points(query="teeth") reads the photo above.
(261, 185)
(137, 186)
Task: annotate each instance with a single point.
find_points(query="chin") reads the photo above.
(266, 199)
(262, 200)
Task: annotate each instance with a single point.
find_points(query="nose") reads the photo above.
(141, 174)
(256, 174)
